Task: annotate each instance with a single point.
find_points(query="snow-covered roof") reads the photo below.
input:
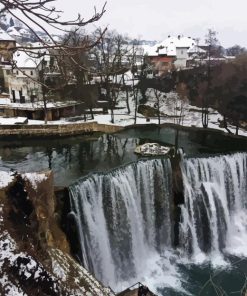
(4, 36)
(13, 32)
(196, 49)
(149, 50)
(169, 45)
(169, 50)
(180, 41)
(23, 60)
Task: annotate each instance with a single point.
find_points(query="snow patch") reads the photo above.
(34, 178)
(5, 179)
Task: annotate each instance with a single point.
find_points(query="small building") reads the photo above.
(35, 111)
(7, 46)
(161, 58)
(23, 80)
(172, 53)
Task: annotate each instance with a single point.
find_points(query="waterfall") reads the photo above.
(214, 214)
(125, 220)
(123, 217)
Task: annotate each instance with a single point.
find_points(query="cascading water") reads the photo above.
(214, 215)
(123, 218)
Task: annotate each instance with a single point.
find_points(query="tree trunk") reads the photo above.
(225, 125)
(135, 98)
(237, 128)
(205, 117)
(127, 101)
(91, 111)
(158, 104)
(112, 115)
(45, 109)
(127, 96)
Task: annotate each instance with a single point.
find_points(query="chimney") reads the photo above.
(179, 37)
(169, 36)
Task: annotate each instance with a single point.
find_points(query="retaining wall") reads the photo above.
(58, 130)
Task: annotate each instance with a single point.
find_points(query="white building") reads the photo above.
(23, 81)
(177, 46)
(180, 47)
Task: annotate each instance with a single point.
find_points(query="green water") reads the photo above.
(206, 280)
(73, 157)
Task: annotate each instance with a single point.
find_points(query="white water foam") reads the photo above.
(124, 242)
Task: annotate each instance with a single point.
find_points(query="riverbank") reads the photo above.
(65, 129)
(174, 113)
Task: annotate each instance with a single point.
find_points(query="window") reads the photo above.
(31, 73)
(7, 72)
(182, 52)
(17, 72)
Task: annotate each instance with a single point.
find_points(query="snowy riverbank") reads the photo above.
(174, 111)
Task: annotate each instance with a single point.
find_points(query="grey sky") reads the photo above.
(155, 19)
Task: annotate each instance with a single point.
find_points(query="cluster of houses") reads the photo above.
(20, 88)
(178, 53)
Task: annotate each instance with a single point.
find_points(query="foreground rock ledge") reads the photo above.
(34, 257)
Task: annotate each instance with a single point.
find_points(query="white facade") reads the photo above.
(23, 80)
(181, 57)
(22, 88)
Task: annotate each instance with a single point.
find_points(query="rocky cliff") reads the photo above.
(35, 256)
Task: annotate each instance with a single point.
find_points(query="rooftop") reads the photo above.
(4, 36)
(169, 45)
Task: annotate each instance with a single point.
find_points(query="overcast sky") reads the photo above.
(156, 19)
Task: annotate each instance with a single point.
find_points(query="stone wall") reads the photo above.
(58, 130)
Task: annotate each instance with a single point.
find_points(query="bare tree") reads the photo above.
(212, 47)
(135, 57)
(110, 63)
(38, 15)
(41, 17)
(158, 96)
(235, 50)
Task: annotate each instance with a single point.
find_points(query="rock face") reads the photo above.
(148, 111)
(152, 149)
(34, 257)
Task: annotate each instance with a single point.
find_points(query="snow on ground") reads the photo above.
(171, 106)
(12, 120)
(63, 268)
(62, 265)
(5, 179)
(34, 178)
(7, 247)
